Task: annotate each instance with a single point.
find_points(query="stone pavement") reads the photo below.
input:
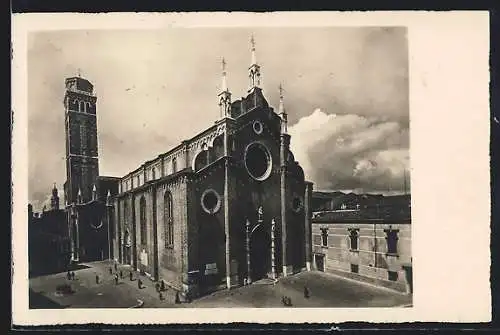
(325, 291)
(105, 294)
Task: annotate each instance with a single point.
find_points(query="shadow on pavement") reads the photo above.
(39, 301)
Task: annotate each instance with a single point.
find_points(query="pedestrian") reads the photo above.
(306, 292)
(288, 301)
(139, 283)
(157, 286)
(131, 276)
(110, 271)
(68, 275)
(177, 298)
(283, 300)
(97, 278)
(162, 285)
(121, 274)
(116, 266)
(72, 275)
(161, 296)
(116, 279)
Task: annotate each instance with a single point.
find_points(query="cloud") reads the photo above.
(352, 152)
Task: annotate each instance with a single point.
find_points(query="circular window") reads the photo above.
(257, 127)
(210, 201)
(258, 161)
(297, 204)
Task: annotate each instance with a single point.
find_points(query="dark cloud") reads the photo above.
(352, 152)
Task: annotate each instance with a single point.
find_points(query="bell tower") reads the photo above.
(82, 164)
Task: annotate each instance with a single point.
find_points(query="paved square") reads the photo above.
(325, 291)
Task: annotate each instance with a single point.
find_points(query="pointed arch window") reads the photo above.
(125, 212)
(174, 165)
(142, 213)
(153, 174)
(168, 220)
(83, 138)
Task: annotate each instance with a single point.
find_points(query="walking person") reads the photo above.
(177, 298)
(96, 278)
(72, 275)
(116, 266)
(121, 274)
(116, 279)
(68, 275)
(110, 270)
(306, 292)
(131, 276)
(139, 283)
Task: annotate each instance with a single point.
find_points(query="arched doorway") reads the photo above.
(260, 253)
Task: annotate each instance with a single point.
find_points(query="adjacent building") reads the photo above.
(48, 239)
(366, 243)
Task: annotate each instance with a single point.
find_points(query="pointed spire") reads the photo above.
(254, 57)
(224, 81)
(254, 69)
(282, 113)
(94, 192)
(224, 95)
(108, 198)
(281, 106)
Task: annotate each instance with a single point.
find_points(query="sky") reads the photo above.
(345, 91)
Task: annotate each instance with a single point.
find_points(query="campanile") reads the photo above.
(82, 164)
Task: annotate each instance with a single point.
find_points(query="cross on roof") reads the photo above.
(252, 41)
(223, 64)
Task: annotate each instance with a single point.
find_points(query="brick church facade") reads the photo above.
(227, 206)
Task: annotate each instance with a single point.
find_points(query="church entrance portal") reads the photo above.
(260, 253)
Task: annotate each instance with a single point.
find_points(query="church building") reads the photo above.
(225, 207)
